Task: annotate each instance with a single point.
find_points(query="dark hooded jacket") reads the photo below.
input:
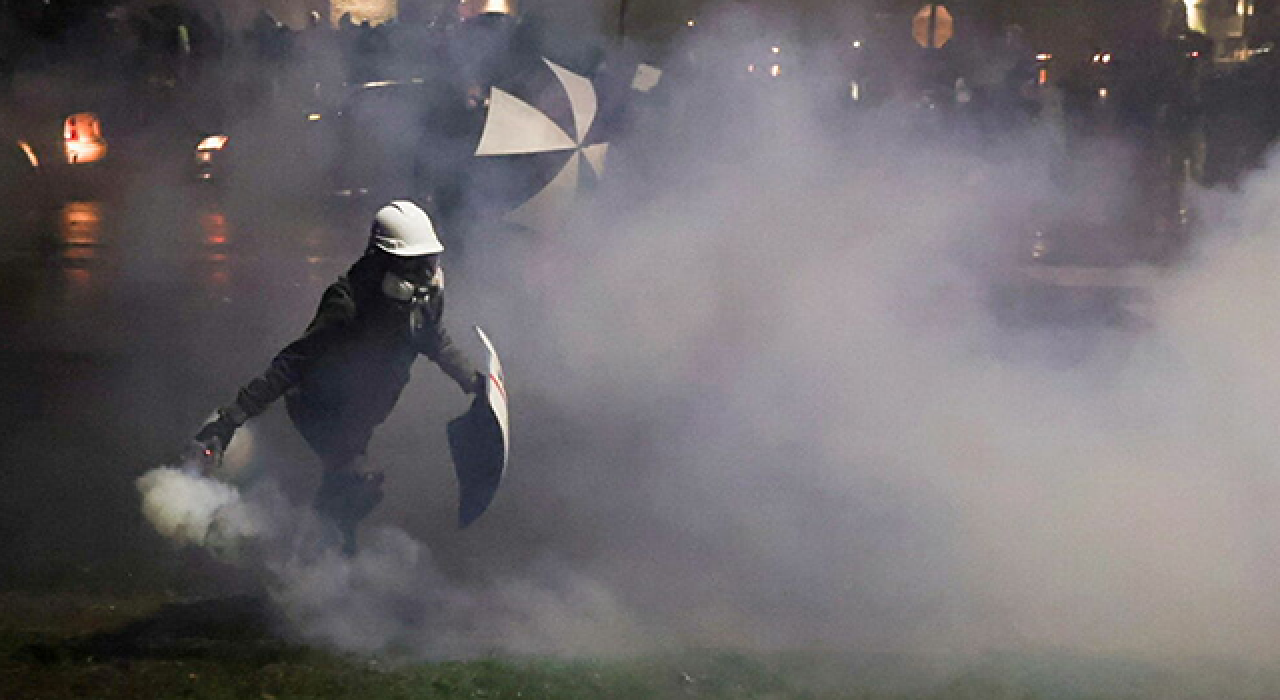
(344, 375)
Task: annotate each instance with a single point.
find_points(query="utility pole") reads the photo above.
(622, 20)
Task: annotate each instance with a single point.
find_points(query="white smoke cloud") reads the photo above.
(390, 598)
(770, 401)
(188, 508)
(795, 402)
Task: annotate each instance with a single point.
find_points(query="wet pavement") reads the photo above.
(126, 319)
(123, 317)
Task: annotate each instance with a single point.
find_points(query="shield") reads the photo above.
(479, 443)
(546, 143)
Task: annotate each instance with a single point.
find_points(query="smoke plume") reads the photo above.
(772, 397)
(390, 597)
(190, 509)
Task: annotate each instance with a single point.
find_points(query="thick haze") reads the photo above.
(762, 398)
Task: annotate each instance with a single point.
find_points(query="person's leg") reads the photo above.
(349, 492)
(350, 488)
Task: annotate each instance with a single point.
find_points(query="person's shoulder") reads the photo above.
(339, 296)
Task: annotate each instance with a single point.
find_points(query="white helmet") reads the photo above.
(402, 228)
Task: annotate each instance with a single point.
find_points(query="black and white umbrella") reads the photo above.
(545, 131)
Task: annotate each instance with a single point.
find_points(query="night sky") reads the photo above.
(1058, 26)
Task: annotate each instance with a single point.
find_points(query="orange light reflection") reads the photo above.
(79, 281)
(214, 224)
(31, 155)
(80, 223)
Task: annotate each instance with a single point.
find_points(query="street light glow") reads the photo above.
(1195, 15)
(214, 142)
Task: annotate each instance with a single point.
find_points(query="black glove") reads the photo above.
(213, 438)
(476, 386)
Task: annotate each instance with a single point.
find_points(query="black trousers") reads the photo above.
(351, 487)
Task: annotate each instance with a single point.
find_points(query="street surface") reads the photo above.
(123, 325)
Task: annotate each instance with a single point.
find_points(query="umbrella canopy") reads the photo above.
(544, 132)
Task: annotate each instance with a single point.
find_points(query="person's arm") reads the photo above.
(433, 341)
(336, 311)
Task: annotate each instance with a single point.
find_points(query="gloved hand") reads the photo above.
(207, 446)
(478, 381)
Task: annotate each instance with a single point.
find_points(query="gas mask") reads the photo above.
(413, 282)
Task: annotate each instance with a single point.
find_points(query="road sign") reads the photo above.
(933, 26)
